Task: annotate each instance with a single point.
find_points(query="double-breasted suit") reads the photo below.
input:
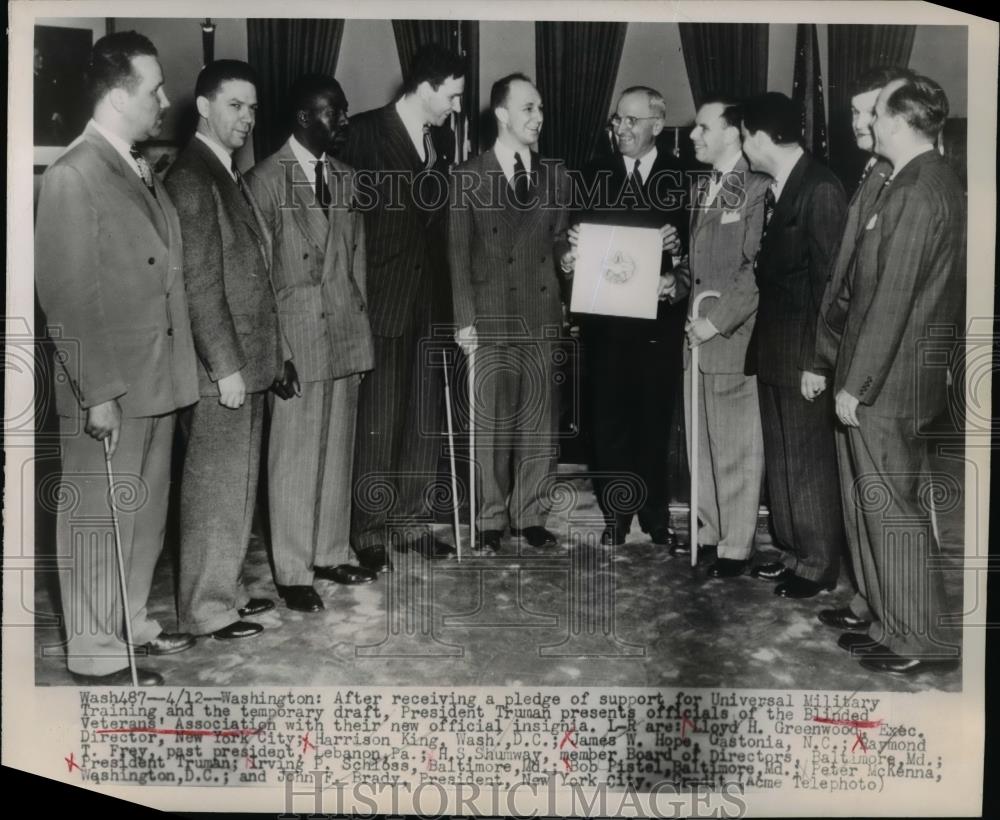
(234, 319)
(504, 258)
(318, 273)
(724, 239)
(799, 245)
(905, 286)
(108, 277)
(401, 403)
(637, 358)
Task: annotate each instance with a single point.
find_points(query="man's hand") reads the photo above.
(847, 409)
(105, 420)
(699, 331)
(667, 287)
(812, 385)
(670, 240)
(467, 339)
(232, 391)
(287, 384)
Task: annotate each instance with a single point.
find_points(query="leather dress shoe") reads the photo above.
(842, 619)
(727, 568)
(897, 665)
(536, 536)
(679, 548)
(430, 547)
(346, 574)
(375, 559)
(301, 598)
(238, 629)
(169, 643)
(797, 587)
(772, 571)
(488, 542)
(123, 677)
(857, 643)
(663, 537)
(255, 606)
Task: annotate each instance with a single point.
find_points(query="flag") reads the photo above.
(807, 91)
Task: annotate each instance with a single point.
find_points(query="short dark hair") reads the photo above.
(212, 76)
(878, 77)
(732, 108)
(776, 115)
(433, 64)
(306, 88)
(501, 89)
(922, 103)
(111, 62)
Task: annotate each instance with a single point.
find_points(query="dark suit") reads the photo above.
(108, 274)
(800, 459)
(235, 324)
(635, 358)
(400, 403)
(319, 276)
(503, 261)
(905, 281)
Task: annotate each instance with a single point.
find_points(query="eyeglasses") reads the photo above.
(629, 122)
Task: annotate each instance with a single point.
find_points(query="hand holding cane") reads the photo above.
(120, 561)
(695, 307)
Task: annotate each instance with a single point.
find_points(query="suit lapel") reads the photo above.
(784, 208)
(400, 150)
(308, 216)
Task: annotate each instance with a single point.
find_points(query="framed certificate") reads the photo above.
(617, 271)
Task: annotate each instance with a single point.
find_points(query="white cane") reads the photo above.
(695, 306)
(472, 445)
(451, 456)
(121, 563)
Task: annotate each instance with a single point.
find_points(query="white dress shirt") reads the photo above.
(505, 156)
(307, 162)
(224, 156)
(122, 147)
(724, 168)
(644, 162)
(414, 127)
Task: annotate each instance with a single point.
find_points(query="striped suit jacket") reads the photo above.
(318, 268)
(504, 259)
(405, 210)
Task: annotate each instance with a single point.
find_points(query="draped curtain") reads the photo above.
(461, 36)
(725, 58)
(279, 51)
(576, 67)
(854, 50)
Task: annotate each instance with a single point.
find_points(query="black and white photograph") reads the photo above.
(336, 383)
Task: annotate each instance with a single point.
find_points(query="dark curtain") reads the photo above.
(576, 66)
(461, 36)
(725, 58)
(279, 51)
(854, 50)
(807, 91)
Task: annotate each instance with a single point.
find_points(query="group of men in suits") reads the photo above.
(230, 298)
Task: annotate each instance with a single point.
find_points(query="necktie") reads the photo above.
(322, 190)
(239, 180)
(145, 172)
(429, 152)
(769, 202)
(522, 181)
(630, 172)
(716, 176)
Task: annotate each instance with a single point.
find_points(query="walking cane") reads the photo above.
(472, 445)
(121, 563)
(451, 455)
(695, 306)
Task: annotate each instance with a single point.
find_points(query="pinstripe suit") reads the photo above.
(906, 277)
(503, 261)
(800, 459)
(319, 276)
(400, 403)
(724, 239)
(234, 320)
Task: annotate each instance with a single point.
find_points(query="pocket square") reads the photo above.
(730, 216)
(871, 222)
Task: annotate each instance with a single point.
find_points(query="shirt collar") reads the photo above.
(505, 156)
(908, 158)
(117, 142)
(644, 163)
(785, 170)
(224, 156)
(306, 160)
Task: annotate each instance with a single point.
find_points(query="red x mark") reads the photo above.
(568, 737)
(859, 740)
(305, 743)
(685, 722)
(71, 763)
(566, 763)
